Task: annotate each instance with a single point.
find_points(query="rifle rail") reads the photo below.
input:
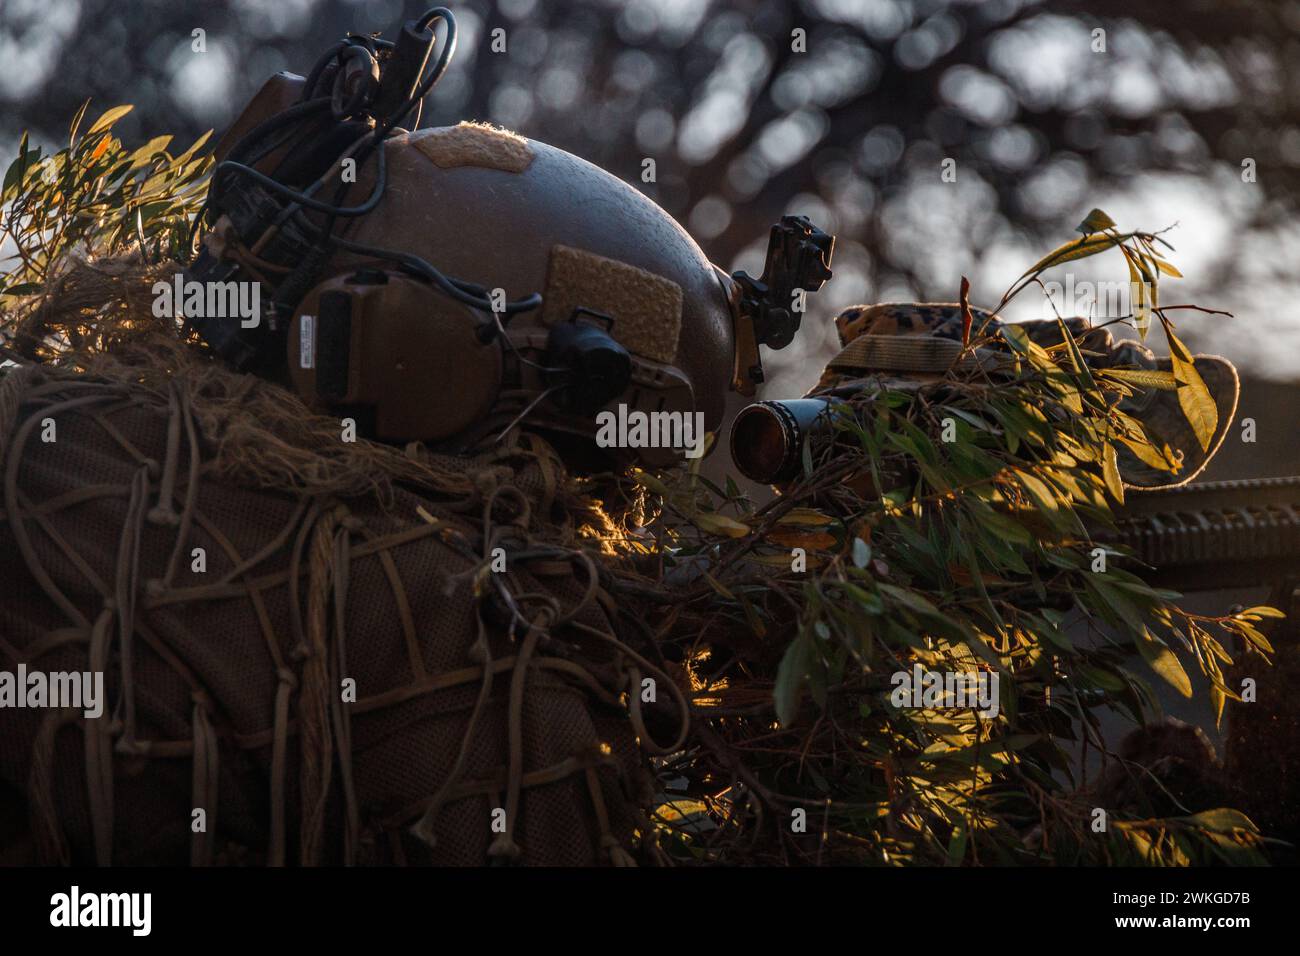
(1215, 534)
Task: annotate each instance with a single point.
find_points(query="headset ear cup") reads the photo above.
(594, 369)
(387, 341)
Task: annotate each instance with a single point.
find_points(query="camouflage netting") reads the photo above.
(322, 563)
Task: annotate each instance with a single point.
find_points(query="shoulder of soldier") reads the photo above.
(941, 319)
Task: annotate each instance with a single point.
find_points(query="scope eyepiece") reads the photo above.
(767, 438)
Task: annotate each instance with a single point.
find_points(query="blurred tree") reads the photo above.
(841, 109)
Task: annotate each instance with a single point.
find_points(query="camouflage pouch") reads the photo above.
(919, 342)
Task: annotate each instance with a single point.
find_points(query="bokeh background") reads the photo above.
(1155, 119)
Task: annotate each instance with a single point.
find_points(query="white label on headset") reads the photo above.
(307, 341)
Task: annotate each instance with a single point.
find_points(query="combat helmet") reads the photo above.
(573, 293)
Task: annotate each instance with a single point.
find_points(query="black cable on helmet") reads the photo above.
(302, 199)
(467, 292)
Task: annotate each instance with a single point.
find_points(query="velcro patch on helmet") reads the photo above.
(646, 308)
(474, 144)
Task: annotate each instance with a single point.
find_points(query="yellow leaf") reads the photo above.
(1262, 610)
(147, 152)
(719, 586)
(1176, 346)
(720, 524)
(681, 809)
(109, 118)
(1042, 496)
(1096, 221)
(1196, 401)
(1089, 245)
(1164, 662)
(1143, 286)
(806, 516)
(1110, 471)
(1149, 454)
(650, 482)
(1147, 378)
(194, 147)
(810, 540)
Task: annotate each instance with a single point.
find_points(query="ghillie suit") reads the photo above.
(309, 655)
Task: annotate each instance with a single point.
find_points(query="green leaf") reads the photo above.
(911, 599)
(23, 288)
(1047, 501)
(1006, 527)
(650, 482)
(1103, 678)
(790, 676)
(957, 844)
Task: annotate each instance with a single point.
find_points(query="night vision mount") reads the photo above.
(798, 262)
